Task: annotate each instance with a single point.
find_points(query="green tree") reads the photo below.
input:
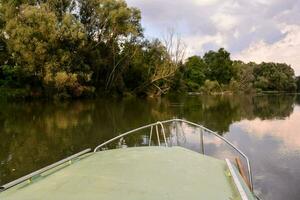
(157, 68)
(298, 83)
(219, 66)
(195, 69)
(47, 51)
(73, 47)
(211, 87)
(109, 24)
(60, 7)
(244, 76)
(274, 77)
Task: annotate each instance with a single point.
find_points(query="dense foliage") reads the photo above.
(217, 73)
(77, 48)
(298, 83)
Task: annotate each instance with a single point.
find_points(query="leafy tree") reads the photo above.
(179, 81)
(109, 24)
(298, 83)
(75, 47)
(61, 7)
(275, 77)
(108, 20)
(195, 72)
(211, 87)
(47, 51)
(244, 75)
(219, 66)
(158, 68)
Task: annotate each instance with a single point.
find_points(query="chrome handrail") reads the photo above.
(136, 130)
(163, 132)
(40, 171)
(229, 143)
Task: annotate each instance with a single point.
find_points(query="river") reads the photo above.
(265, 127)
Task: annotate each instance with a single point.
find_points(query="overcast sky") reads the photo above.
(252, 30)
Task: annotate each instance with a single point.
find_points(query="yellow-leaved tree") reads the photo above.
(47, 49)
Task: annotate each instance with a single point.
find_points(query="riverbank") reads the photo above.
(26, 95)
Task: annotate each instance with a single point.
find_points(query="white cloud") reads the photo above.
(245, 28)
(236, 34)
(286, 130)
(285, 50)
(205, 2)
(253, 29)
(195, 43)
(225, 22)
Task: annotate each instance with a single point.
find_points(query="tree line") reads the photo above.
(79, 48)
(215, 72)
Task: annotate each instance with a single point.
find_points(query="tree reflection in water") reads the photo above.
(36, 134)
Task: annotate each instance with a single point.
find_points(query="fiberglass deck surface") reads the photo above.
(142, 173)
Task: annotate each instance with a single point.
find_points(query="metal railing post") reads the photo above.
(150, 137)
(177, 135)
(163, 132)
(157, 134)
(202, 141)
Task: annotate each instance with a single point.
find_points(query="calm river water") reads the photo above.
(265, 127)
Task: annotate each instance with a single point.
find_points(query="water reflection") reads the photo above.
(266, 127)
(286, 130)
(219, 112)
(273, 106)
(274, 148)
(298, 99)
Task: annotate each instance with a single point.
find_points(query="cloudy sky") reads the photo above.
(257, 30)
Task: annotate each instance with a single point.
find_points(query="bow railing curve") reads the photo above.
(160, 124)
